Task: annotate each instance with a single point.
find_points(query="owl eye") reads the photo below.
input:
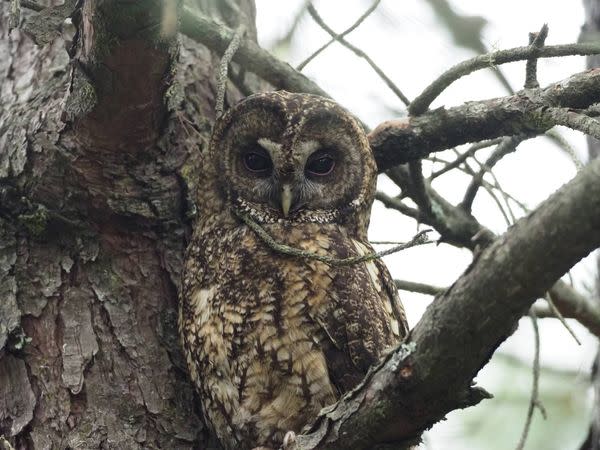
(257, 163)
(320, 165)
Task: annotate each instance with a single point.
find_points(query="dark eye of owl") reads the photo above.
(320, 164)
(257, 162)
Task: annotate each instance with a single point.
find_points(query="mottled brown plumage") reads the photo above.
(271, 339)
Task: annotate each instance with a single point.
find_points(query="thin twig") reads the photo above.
(466, 169)
(555, 136)
(560, 317)
(462, 157)
(540, 312)
(360, 20)
(534, 400)
(508, 145)
(397, 204)
(421, 103)
(253, 58)
(419, 239)
(536, 41)
(224, 68)
(489, 188)
(573, 119)
(495, 186)
(358, 52)
(573, 304)
(419, 189)
(420, 288)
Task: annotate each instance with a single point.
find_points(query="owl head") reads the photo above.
(284, 157)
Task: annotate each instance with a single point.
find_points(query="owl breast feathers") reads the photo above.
(271, 339)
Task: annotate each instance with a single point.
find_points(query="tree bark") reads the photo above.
(96, 168)
(100, 155)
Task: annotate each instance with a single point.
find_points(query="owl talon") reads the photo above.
(289, 441)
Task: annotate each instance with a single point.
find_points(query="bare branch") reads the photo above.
(358, 52)
(411, 387)
(574, 120)
(421, 103)
(461, 158)
(536, 40)
(285, 40)
(556, 137)
(399, 141)
(420, 288)
(255, 59)
(534, 400)
(349, 30)
(508, 145)
(455, 226)
(458, 227)
(574, 305)
(418, 188)
(397, 204)
(560, 317)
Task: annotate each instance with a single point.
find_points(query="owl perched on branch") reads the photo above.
(269, 338)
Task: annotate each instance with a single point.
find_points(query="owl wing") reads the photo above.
(392, 292)
(363, 317)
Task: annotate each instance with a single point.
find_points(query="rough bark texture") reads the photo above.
(99, 151)
(96, 160)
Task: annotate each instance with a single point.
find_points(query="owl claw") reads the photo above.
(289, 441)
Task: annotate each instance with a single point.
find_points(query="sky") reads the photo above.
(406, 40)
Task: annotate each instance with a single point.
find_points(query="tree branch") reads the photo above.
(421, 103)
(252, 57)
(508, 145)
(458, 227)
(348, 30)
(573, 305)
(358, 52)
(399, 141)
(420, 288)
(412, 388)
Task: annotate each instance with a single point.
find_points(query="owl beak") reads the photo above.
(286, 199)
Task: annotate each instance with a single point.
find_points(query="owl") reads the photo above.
(269, 338)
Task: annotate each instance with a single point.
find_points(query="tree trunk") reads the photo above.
(98, 154)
